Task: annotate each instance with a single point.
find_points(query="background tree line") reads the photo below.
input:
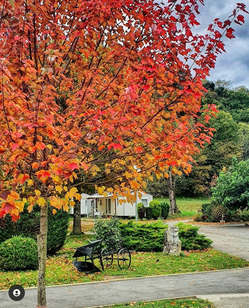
(230, 139)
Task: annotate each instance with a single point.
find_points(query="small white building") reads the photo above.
(98, 205)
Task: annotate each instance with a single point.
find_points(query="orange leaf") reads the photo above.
(43, 175)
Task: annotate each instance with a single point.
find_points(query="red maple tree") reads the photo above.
(93, 85)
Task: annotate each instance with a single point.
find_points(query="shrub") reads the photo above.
(57, 230)
(28, 226)
(156, 209)
(244, 216)
(141, 210)
(232, 186)
(148, 213)
(214, 213)
(109, 231)
(206, 209)
(199, 217)
(18, 253)
(218, 212)
(6, 228)
(143, 237)
(164, 209)
(190, 238)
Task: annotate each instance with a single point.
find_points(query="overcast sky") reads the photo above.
(234, 64)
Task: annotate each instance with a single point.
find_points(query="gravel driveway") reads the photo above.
(232, 239)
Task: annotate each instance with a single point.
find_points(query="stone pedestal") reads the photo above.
(172, 244)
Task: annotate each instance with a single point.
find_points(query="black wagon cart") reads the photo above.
(106, 256)
(89, 252)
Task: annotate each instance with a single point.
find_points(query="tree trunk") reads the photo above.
(42, 257)
(172, 198)
(77, 219)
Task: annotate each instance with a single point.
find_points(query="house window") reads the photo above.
(145, 202)
(100, 202)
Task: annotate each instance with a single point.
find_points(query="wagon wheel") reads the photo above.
(107, 258)
(124, 258)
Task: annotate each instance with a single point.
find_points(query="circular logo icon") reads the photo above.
(16, 292)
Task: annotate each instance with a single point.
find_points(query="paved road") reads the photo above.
(232, 239)
(171, 286)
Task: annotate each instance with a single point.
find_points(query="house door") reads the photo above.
(108, 206)
(92, 207)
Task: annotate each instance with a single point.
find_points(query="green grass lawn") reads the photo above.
(188, 206)
(60, 269)
(178, 303)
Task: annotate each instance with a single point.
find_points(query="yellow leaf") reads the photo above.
(58, 188)
(65, 207)
(57, 202)
(19, 205)
(71, 203)
(71, 178)
(31, 201)
(57, 179)
(101, 190)
(37, 193)
(41, 201)
(54, 211)
(30, 182)
(30, 208)
(15, 212)
(78, 196)
(24, 200)
(72, 192)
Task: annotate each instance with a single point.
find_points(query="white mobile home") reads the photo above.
(98, 205)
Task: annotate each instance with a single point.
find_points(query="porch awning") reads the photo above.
(98, 196)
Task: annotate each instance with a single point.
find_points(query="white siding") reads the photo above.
(85, 205)
(129, 209)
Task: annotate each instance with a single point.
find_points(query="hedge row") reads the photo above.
(155, 210)
(148, 237)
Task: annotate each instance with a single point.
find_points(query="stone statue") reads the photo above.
(172, 244)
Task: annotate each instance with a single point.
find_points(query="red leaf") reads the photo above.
(43, 175)
(139, 149)
(14, 146)
(14, 217)
(6, 208)
(241, 18)
(22, 178)
(4, 194)
(73, 166)
(115, 146)
(40, 145)
(229, 33)
(149, 140)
